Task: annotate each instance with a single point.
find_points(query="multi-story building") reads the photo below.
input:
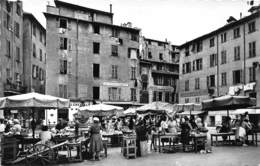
(34, 44)
(11, 44)
(221, 62)
(159, 71)
(90, 58)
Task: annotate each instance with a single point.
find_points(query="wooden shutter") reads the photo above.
(57, 22)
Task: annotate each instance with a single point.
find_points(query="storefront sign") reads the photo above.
(116, 84)
(196, 93)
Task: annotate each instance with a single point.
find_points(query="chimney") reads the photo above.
(231, 19)
(110, 8)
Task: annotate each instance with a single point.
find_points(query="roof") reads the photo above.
(77, 7)
(223, 28)
(153, 40)
(150, 61)
(100, 23)
(31, 17)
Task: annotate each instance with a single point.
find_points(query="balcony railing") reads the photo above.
(14, 88)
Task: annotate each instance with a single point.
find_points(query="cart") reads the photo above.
(39, 154)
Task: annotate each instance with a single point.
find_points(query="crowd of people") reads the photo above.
(145, 127)
(241, 126)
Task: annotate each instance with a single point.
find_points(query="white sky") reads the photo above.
(177, 20)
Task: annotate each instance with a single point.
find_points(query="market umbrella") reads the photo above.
(228, 102)
(33, 101)
(130, 112)
(100, 110)
(155, 108)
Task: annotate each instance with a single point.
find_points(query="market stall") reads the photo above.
(32, 102)
(114, 137)
(228, 103)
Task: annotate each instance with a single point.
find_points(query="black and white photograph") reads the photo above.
(129, 82)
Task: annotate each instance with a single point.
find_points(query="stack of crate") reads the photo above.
(129, 146)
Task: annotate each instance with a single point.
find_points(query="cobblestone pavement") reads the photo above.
(221, 156)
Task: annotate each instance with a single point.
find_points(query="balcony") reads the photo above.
(12, 89)
(164, 72)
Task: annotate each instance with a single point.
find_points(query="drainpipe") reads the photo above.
(77, 57)
(244, 62)
(217, 67)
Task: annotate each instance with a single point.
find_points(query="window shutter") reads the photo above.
(129, 53)
(194, 65)
(234, 75)
(208, 81)
(69, 25)
(57, 22)
(70, 45)
(241, 76)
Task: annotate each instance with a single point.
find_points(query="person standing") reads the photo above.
(96, 144)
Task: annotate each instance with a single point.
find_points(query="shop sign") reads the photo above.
(195, 93)
(116, 84)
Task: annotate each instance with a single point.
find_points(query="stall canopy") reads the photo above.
(33, 100)
(249, 110)
(228, 103)
(155, 107)
(130, 112)
(187, 109)
(100, 110)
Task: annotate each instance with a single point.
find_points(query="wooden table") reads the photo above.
(160, 136)
(115, 139)
(199, 140)
(216, 135)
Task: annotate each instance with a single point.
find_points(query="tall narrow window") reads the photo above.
(236, 32)
(96, 29)
(160, 56)
(133, 73)
(63, 23)
(63, 66)
(133, 94)
(40, 54)
(34, 30)
(96, 70)
(237, 77)
(187, 86)
(96, 47)
(251, 27)
(223, 79)
(252, 51)
(96, 93)
(63, 43)
(17, 29)
(223, 37)
(114, 71)
(223, 57)
(18, 58)
(34, 50)
(252, 75)
(237, 53)
(114, 50)
(212, 42)
(213, 60)
(197, 83)
(8, 48)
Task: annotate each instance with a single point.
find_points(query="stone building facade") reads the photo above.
(159, 71)
(34, 51)
(221, 62)
(90, 58)
(11, 44)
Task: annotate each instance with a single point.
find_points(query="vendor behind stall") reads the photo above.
(95, 139)
(16, 129)
(45, 135)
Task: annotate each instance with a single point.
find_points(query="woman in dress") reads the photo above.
(95, 139)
